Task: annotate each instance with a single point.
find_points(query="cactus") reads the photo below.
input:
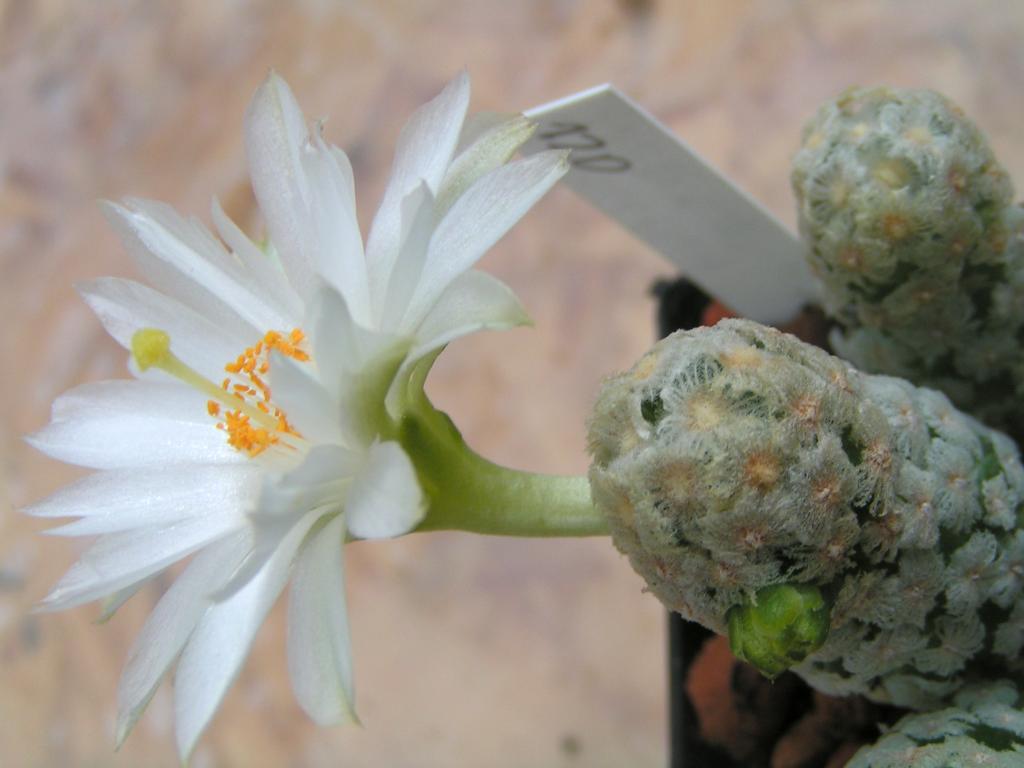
(849, 526)
(908, 222)
(984, 727)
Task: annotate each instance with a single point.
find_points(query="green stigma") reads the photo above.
(779, 627)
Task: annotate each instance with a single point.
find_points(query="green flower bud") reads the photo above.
(737, 459)
(779, 627)
(908, 222)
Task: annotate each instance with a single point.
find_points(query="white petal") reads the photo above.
(479, 123)
(363, 394)
(473, 301)
(111, 604)
(316, 487)
(482, 215)
(407, 388)
(124, 307)
(324, 464)
(385, 499)
(417, 227)
(275, 134)
(330, 328)
(263, 270)
(425, 148)
(317, 483)
(170, 625)
(493, 148)
(338, 249)
(191, 265)
(341, 347)
(309, 408)
(119, 560)
(114, 424)
(306, 193)
(319, 648)
(120, 500)
(357, 365)
(218, 646)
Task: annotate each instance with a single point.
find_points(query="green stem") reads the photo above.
(469, 493)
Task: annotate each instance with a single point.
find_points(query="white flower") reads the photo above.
(256, 437)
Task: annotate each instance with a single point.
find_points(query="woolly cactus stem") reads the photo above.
(984, 727)
(761, 486)
(909, 223)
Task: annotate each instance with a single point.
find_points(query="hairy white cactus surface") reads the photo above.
(984, 727)
(909, 222)
(854, 527)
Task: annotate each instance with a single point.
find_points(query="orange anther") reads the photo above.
(248, 386)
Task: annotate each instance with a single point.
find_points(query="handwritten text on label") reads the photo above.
(585, 147)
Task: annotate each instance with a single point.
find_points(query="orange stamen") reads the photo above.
(242, 433)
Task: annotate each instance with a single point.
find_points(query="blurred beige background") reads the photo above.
(469, 651)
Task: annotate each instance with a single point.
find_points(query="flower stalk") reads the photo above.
(469, 493)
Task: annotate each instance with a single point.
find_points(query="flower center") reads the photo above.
(245, 383)
(242, 401)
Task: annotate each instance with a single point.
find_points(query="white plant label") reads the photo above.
(635, 170)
